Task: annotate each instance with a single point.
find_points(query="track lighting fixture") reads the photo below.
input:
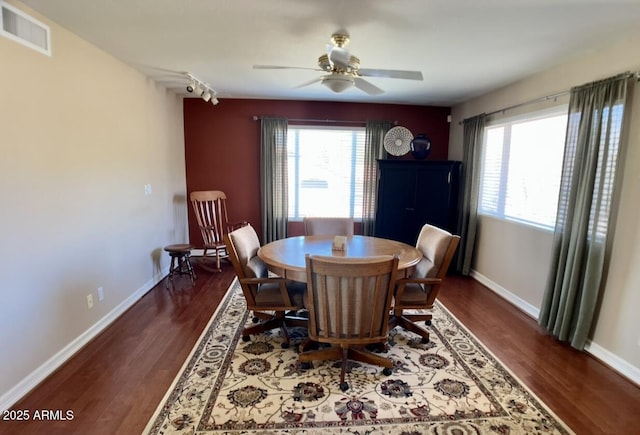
(201, 89)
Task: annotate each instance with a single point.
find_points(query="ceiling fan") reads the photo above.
(343, 69)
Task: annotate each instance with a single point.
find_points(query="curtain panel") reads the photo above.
(586, 203)
(374, 150)
(274, 178)
(473, 135)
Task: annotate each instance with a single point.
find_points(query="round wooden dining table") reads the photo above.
(286, 257)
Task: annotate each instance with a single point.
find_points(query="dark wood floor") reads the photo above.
(115, 383)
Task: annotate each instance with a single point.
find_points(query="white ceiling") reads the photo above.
(464, 48)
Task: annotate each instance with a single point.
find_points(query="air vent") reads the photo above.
(26, 30)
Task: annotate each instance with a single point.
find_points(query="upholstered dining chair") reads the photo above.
(328, 226)
(210, 208)
(419, 291)
(270, 298)
(348, 301)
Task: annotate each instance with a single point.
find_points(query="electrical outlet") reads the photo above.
(100, 294)
(90, 301)
(147, 190)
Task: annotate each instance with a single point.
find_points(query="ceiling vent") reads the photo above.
(26, 30)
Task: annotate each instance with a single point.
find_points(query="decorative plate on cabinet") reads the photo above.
(397, 141)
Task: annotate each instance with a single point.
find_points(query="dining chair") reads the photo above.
(269, 298)
(328, 226)
(419, 291)
(210, 208)
(348, 301)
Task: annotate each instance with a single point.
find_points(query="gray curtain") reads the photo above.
(273, 178)
(374, 150)
(472, 141)
(590, 170)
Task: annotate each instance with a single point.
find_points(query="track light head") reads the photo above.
(198, 90)
(191, 85)
(214, 101)
(207, 95)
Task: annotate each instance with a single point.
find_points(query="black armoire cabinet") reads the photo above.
(412, 193)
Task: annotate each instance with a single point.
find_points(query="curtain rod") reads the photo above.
(537, 100)
(333, 121)
(541, 99)
(526, 103)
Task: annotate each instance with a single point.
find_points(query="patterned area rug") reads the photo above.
(452, 385)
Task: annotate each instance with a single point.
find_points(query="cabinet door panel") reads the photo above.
(433, 196)
(396, 208)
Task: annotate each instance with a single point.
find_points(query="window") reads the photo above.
(326, 166)
(521, 168)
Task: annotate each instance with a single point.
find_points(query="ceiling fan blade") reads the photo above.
(284, 67)
(391, 73)
(310, 82)
(366, 86)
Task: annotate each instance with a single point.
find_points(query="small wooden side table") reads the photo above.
(180, 263)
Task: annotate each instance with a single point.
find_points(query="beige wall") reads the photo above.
(516, 258)
(80, 135)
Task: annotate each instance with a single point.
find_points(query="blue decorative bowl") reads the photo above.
(420, 146)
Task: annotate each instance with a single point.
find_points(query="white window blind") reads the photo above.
(326, 166)
(521, 168)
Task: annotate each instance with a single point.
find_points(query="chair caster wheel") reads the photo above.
(387, 371)
(285, 345)
(255, 320)
(246, 338)
(344, 386)
(305, 365)
(424, 340)
(427, 322)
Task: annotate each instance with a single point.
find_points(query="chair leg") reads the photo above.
(192, 274)
(171, 270)
(325, 354)
(271, 322)
(411, 326)
(345, 354)
(343, 369)
(261, 327)
(362, 355)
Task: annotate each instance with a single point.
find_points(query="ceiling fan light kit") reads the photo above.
(338, 82)
(344, 69)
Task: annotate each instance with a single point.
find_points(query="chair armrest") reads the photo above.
(262, 280)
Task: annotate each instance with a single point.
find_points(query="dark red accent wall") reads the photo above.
(222, 144)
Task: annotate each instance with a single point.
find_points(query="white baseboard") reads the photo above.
(616, 363)
(506, 294)
(41, 373)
